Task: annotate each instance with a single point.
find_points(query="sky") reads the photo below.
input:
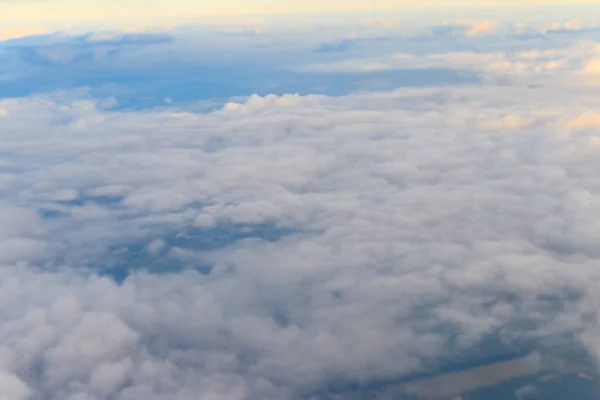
(382, 206)
(15, 12)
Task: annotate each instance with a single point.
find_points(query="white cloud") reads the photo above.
(586, 120)
(473, 28)
(481, 27)
(11, 387)
(402, 215)
(564, 26)
(592, 66)
(576, 61)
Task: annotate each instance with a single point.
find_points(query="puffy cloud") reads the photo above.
(11, 387)
(65, 48)
(569, 25)
(527, 392)
(579, 58)
(116, 32)
(586, 120)
(280, 245)
(507, 29)
(552, 28)
(480, 27)
(592, 66)
(472, 28)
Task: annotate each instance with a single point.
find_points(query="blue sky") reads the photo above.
(298, 207)
(143, 69)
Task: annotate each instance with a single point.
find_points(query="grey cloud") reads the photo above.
(535, 64)
(527, 392)
(63, 49)
(407, 216)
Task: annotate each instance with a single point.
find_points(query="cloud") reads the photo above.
(585, 121)
(592, 66)
(148, 28)
(468, 28)
(338, 46)
(577, 59)
(564, 26)
(527, 392)
(119, 32)
(350, 42)
(121, 39)
(569, 27)
(480, 27)
(142, 69)
(300, 246)
(391, 208)
(13, 388)
(64, 49)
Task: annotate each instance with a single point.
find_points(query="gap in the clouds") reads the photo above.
(155, 70)
(382, 388)
(139, 91)
(488, 351)
(561, 356)
(164, 250)
(218, 92)
(182, 250)
(83, 200)
(221, 89)
(60, 208)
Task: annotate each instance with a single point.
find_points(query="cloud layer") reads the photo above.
(301, 246)
(402, 216)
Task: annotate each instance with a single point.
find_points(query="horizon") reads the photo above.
(53, 14)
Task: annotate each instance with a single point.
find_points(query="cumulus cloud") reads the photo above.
(569, 27)
(592, 66)
(507, 29)
(64, 49)
(579, 58)
(472, 28)
(279, 246)
(409, 211)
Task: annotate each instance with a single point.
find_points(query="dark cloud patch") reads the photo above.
(574, 32)
(344, 45)
(183, 250)
(126, 39)
(339, 46)
(49, 50)
(448, 30)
